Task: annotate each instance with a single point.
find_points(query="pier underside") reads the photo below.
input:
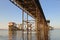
(33, 8)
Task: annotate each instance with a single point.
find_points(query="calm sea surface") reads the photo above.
(54, 35)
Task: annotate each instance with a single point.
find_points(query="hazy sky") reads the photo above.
(9, 12)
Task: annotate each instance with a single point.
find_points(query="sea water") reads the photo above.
(53, 35)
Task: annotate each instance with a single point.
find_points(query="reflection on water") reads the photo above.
(54, 35)
(17, 35)
(12, 35)
(3, 34)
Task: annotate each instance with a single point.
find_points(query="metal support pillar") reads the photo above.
(45, 29)
(47, 32)
(38, 25)
(43, 22)
(22, 24)
(29, 33)
(27, 26)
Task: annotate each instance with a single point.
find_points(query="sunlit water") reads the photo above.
(54, 35)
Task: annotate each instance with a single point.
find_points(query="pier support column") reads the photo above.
(37, 24)
(23, 24)
(46, 30)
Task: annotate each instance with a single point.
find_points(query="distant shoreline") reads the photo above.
(3, 29)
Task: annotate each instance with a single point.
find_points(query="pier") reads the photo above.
(32, 8)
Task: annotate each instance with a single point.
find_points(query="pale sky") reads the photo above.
(10, 12)
(51, 10)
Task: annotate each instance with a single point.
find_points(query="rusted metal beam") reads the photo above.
(29, 5)
(18, 4)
